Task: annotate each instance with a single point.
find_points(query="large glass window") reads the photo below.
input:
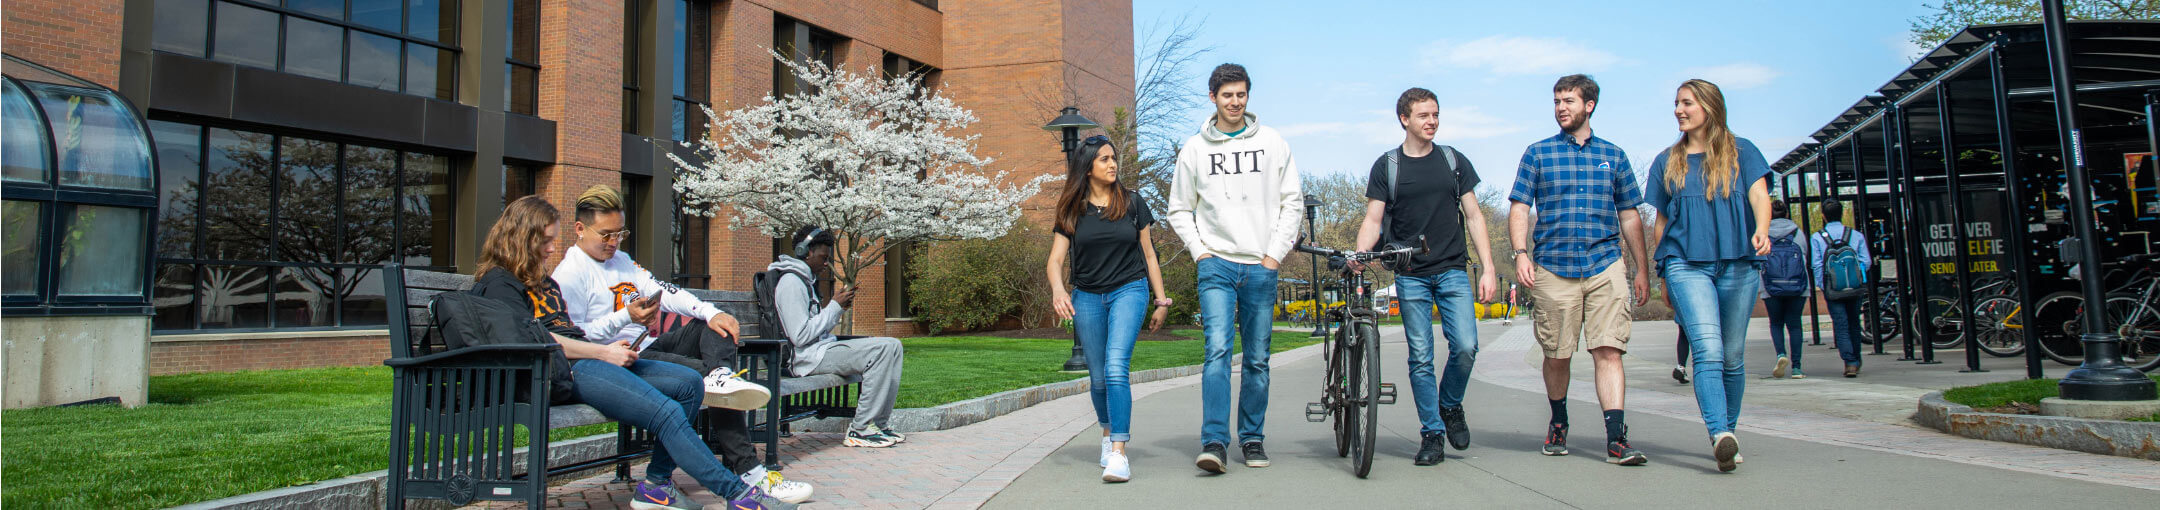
(692, 40)
(79, 190)
(396, 45)
(293, 230)
(632, 30)
(521, 69)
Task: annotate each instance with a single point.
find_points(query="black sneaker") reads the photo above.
(1255, 456)
(1458, 429)
(1429, 452)
(1556, 440)
(1211, 458)
(1617, 451)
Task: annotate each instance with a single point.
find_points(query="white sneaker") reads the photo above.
(725, 391)
(1104, 460)
(780, 488)
(1116, 468)
(1784, 365)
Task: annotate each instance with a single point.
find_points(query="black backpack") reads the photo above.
(467, 319)
(764, 286)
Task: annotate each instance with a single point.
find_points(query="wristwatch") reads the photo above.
(1521, 252)
(1163, 303)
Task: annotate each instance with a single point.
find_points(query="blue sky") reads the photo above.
(1326, 74)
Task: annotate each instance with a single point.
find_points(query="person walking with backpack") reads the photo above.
(1785, 290)
(1839, 256)
(1235, 200)
(1423, 190)
(1585, 202)
(1106, 230)
(1712, 193)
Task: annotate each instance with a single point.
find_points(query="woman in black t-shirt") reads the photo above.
(1105, 229)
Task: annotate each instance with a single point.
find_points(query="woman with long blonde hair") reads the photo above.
(653, 395)
(1713, 200)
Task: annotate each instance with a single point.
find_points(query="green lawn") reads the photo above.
(969, 367)
(2029, 391)
(208, 436)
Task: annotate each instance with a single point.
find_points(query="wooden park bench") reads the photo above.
(454, 413)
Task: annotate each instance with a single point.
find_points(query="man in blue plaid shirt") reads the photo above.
(1581, 193)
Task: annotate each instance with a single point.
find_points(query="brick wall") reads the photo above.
(78, 37)
(229, 355)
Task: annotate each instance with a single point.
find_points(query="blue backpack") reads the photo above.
(1785, 272)
(1844, 273)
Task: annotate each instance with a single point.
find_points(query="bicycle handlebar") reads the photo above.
(1362, 256)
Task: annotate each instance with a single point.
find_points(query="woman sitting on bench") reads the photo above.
(654, 395)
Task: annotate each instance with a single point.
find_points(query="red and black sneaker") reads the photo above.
(1556, 440)
(1617, 451)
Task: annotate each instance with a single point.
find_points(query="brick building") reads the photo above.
(302, 144)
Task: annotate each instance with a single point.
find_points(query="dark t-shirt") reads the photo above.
(1106, 254)
(546, 303)
(1430, 203)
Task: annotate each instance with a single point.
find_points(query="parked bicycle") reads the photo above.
(1351, 390)
(2131, 311)
(1997, 298)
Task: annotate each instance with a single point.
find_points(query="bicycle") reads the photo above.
(2131, 310)
(1994, 292)
(1351, 391)
(1888, 324)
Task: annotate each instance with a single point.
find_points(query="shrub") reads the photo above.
(967, 285)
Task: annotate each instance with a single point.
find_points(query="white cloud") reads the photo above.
(1456, 123)
(1735, 76)
(1312, 129)
(1903, 46)
(1506, 55)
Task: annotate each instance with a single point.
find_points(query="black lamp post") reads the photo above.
(2102, 376)
(1312, 229)
(1068, 124)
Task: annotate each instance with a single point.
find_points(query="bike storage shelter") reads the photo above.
(1953, 169)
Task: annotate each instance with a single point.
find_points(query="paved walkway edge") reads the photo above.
(978, 409)
(2106, 437)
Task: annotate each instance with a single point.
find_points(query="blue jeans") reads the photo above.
(1107, 325)
(1235, 297)
(658, 396)
(1458, 320)
(1785, 325)
(1714, 300)
(1845, 329)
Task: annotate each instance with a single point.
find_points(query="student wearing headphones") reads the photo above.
(809, 328)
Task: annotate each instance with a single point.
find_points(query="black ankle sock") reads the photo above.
(1615, 424)
(1559, 411)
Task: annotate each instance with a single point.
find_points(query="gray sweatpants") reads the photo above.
(877, 360)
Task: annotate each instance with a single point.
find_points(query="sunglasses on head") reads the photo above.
(1095, 140)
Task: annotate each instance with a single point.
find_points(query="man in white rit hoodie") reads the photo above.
(1234, 200)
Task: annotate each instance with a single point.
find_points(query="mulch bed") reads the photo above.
(1145, 336)
(2013, 407)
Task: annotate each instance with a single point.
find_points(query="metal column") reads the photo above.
(2015, 191)
(1915, 270)
(1964, 298)
(1860, 224)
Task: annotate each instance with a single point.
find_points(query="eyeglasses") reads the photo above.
(1095, 140)
(616, 236)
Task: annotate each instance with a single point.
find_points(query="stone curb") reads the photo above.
(365, 491)
(2106, 437)
(966, 412)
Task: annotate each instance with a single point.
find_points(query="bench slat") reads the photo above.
(795, 385)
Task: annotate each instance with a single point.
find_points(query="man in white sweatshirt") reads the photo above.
(612, 299)
(1235, 200)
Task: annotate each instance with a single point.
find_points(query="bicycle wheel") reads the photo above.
(2055, 327)
(1332, 392)
(1353, 390)
(1948, 324)
(2141, 339)
(1366, 383)
(1886, 326)
(1997, 327)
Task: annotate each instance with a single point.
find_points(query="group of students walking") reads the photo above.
(1234, 200)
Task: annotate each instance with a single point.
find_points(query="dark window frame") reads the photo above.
(512, 63)
(197, 262)
(52, 196)
(346, 29)
(697, 92)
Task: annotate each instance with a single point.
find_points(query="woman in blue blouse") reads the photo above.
(1713, 223)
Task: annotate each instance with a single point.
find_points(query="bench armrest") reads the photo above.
(525, 349)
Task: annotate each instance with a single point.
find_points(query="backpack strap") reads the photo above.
(1394, 157)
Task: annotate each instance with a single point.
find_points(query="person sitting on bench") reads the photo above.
(608, 376)
(809, 328)
(613, 299)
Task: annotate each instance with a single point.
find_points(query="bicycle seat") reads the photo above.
(2151, 260)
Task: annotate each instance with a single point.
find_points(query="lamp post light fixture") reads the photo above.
(1312, 288)
(1068, 124)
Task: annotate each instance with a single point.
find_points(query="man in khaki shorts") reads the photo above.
(1585, 200)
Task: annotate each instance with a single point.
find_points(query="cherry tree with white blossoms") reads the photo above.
(877, 161)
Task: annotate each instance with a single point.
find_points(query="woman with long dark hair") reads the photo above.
(1713, 199)
(654, 395)
(1104, 227)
